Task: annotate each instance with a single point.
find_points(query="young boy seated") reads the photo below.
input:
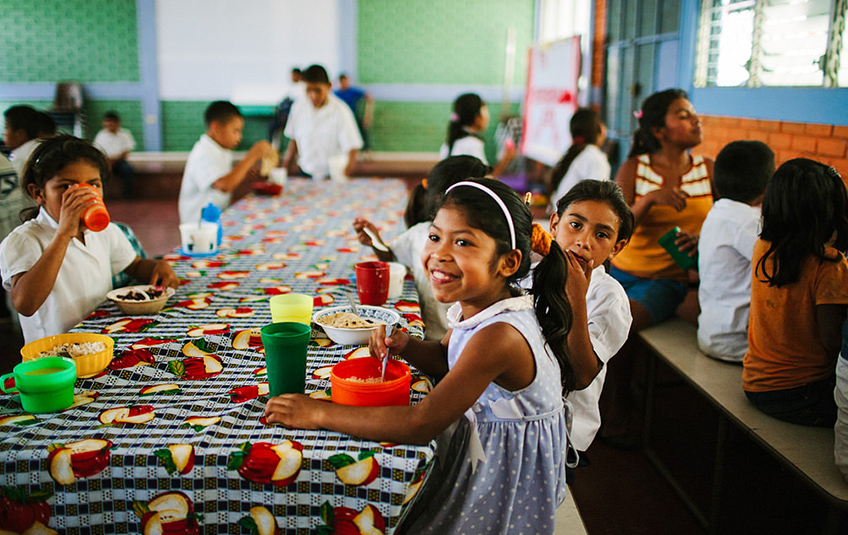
(21, 135)
(209, 173)
(742, 170)
(117, 143)
(321, 127)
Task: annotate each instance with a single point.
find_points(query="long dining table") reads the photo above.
(171, 438)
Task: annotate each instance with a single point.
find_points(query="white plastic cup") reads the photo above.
(337, 165)
(397, 272)
(278, 175)
(199, 239)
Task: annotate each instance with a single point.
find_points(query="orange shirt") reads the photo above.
(784, 347)
(643, 256)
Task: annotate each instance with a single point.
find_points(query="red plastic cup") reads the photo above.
(95, 217)
(348, 386)
(372, 282)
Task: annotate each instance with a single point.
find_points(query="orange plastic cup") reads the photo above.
(393, 391)
(95, 217)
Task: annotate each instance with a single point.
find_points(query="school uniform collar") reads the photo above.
(206, 140)
(511, 304)
(44, 218)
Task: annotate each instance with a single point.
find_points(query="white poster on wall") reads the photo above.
(550, 99)
(243, 51)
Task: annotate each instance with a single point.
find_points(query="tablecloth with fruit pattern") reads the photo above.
(170, 437)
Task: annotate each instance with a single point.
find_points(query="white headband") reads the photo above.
(497, 199)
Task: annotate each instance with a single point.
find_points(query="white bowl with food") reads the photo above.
(141, 300)
(346, 328)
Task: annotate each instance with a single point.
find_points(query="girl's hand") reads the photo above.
(294, 410)
(359, 225)
(687, 241)
(676, 198)
(75, 200)
(163, 275)
(579, 276)
(378, 342)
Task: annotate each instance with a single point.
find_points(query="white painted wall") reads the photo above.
(242, 50)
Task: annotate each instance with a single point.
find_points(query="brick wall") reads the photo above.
(821, 142)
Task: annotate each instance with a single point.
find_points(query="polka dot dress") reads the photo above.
(519, 485)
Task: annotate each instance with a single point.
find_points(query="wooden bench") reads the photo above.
(806, 451)
(567, 520)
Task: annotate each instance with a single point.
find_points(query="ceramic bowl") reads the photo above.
(140, 307)
(87, 365)
(344, 336)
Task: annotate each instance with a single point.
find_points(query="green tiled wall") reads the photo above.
(53, 40)
(441, 41)
(128, 110)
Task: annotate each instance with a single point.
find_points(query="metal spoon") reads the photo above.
(376, 242)
(352, 304)
(389, 329)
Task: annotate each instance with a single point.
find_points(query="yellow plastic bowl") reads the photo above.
(87, 365)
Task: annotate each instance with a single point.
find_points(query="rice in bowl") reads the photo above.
(74, 350)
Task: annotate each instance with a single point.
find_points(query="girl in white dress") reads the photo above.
(502, 371)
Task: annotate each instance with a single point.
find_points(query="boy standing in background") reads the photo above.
(209, 173)
(117, 143)
(742, 170)
(360, 103)
(321, 127)
(21, 135)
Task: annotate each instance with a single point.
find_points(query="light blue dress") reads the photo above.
(504, 473)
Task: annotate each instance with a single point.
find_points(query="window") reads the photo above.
(753, 43)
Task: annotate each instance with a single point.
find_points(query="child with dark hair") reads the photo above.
(20, 134)
(58, 271)
(742, 170)
(320, 128)
(584, 159)
(117, 143)
(468, 121)
(592, 224)
(503, 369)
(209, 172)
(46, 125)
(799, 295)
(407, 247)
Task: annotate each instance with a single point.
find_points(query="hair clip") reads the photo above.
(578, 140)
(834, 173)
(454, 117)
(540, 240)
(424, 183)
(527, 198)
(637, 114)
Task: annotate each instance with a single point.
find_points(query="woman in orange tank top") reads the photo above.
(666, 187)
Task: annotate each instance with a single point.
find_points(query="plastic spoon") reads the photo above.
(389, 329)
(352, 304)
(376, 242)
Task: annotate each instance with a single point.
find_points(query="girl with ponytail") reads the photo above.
(468, 121)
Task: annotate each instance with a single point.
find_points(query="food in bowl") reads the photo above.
(140, 300)
(347, 320)
(73, 350)
(89, 362)
(354, 335)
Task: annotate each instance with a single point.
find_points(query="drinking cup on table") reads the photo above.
(285, 356)
(372, 282)
(199, 239)
(397, 272)
(291, 307)
(45, 384)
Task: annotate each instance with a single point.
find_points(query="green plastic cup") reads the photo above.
(291, 307)
(45, 384)
(682, 258)
(285, 356)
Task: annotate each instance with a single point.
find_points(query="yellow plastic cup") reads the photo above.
(292, 307)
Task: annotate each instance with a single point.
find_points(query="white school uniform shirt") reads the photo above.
(207, 162)
(466, 146)
(322, 133)
(608, 312)
(725, 249)
(115, 144)
(83, 280)
(407, 250)
(20, 155)
(591, 163)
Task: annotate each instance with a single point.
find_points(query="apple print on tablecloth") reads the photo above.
(129, 325)
(347, 521)
(199, 423)
(74, 460)
(266, 463)
(177, 458)
(19, 420)
(248, 338)
(351, 471)
(25, 513)
(165, 388)
(260, 522)
(234, 313)
(151, 342)
(131, 358)
(170, 512)
(129, 415)
(208, 329)
(83, 398)
(248, 392)
(225, 286)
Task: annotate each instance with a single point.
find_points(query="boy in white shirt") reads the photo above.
(209, 173)
(321, 127)
(117, 143)
(742, 170)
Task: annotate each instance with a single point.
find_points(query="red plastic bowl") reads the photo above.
(267, 188)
